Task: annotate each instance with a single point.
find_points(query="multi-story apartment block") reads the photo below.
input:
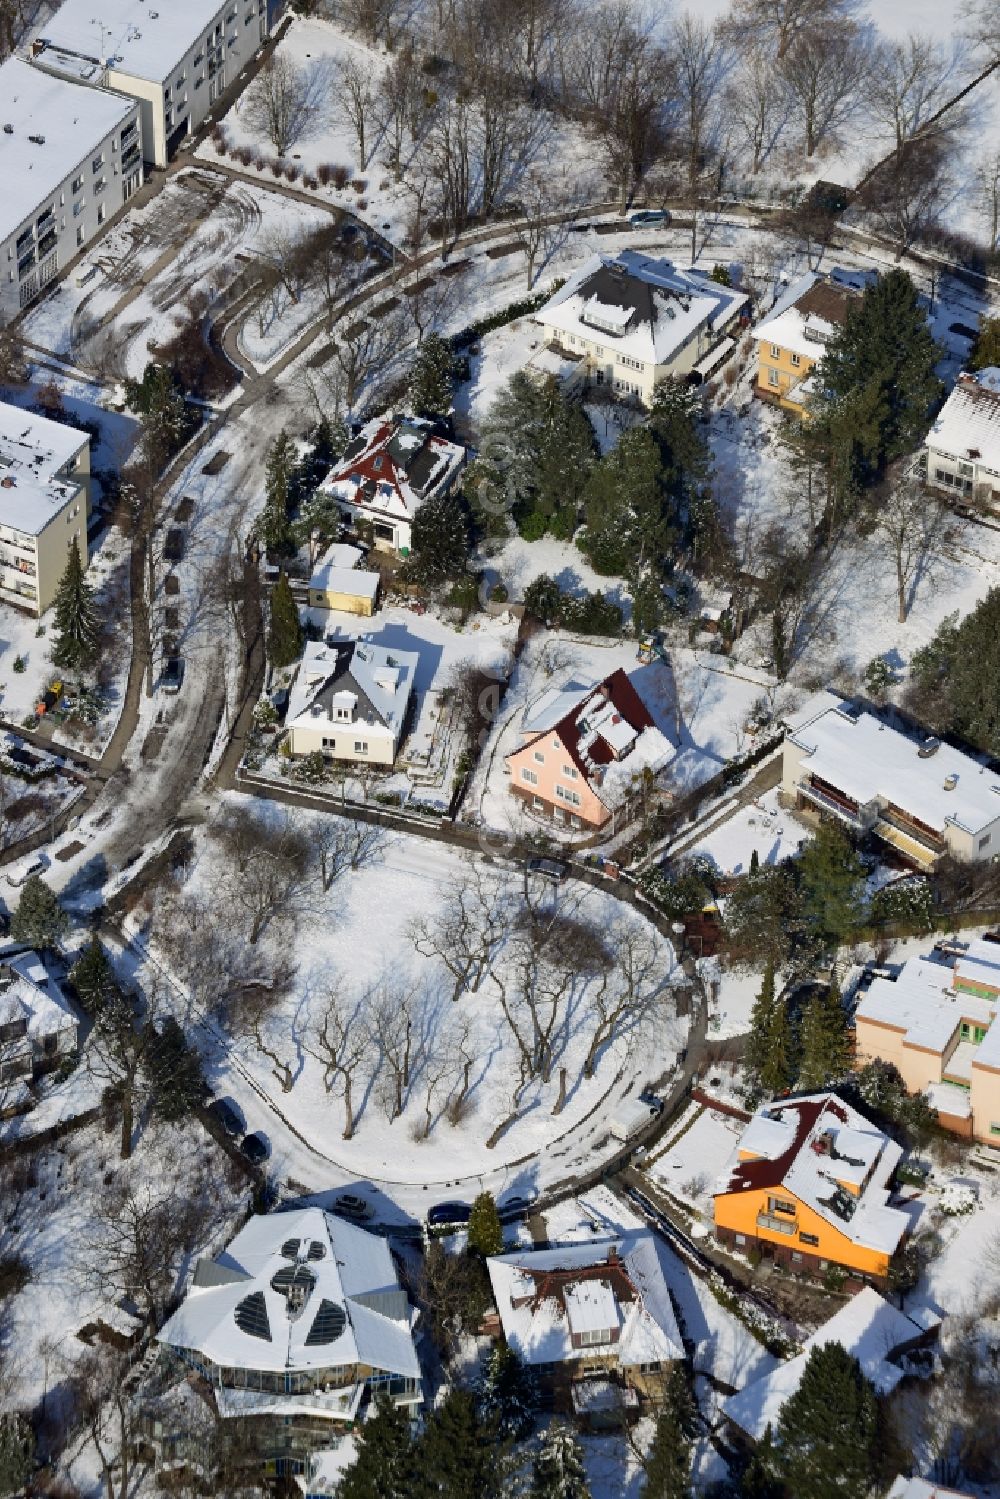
(175, 57)
(69, 158)
(44, 501)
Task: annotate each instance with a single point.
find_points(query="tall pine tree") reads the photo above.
(39, 919)
(668, 1467)
(77, 622)
(831, 886)
(439, 540)
(92, 977)
(284, 636)
(631, 517)
(507, 1395)
(485, 1232)
(558, 1471)
(769, 1043)
(828, 1429)
(272, 527)
(432, 378)
(455, 1457)
(382, 1466)
(824, 1041)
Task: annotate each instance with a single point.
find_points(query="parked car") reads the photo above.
(173, 546)
(632, 1116)
(353, 1206)
(449, 1215)
(173, 674)
(550, 869)
(17, 877)
(225, 1112)
(256, 1148)
(518, 1204)
(649, 218)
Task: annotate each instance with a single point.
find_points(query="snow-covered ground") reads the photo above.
(695, 1158)
(762, 828)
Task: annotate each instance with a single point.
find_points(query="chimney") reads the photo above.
(950, 782)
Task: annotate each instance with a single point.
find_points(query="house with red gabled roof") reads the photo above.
(387, 471)
(585, 749)
(809, 1185)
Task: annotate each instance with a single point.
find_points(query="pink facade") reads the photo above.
(542, 772)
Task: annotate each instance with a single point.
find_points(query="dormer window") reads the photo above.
(377, 464)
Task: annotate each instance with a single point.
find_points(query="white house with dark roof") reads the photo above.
(921, 797)
(635, 321)
(44, 502)
(174, 57)
(387, 471)
(70, 156)
(869, 1328)
(594, 1321)
(38, 1026)
(962, 448)
(350, 701)
(295, 1326)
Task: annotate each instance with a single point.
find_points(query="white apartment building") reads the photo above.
(69, 158)
(176, 57)
(44, 501)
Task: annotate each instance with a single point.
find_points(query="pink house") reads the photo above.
(584, 750)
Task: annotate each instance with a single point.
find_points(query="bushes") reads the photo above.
(505, 315)
(909, 902)
(589, 614)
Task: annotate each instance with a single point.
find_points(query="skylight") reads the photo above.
(251, 1317)
(328, 1324)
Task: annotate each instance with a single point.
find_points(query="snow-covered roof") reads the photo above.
(968, 424)
(867, 1327)
(34, 452)
(379, 680)
(55, 126)
(920, 1488)
(29, 993)
(807, 315)
(132, 36)
(392, 465)
(869, 761)
(922, 1002)
(341, 556)
(298, 1291)
(648, 308)
(349, 580)
(545, 1296)
(827, 1155)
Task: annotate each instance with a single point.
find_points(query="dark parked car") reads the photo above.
(256, 1148)
(353, 1207)
(517, 1205)
(173, 674)
(173, 546)
(226, 1113)
(449, 1215)
(549, 869)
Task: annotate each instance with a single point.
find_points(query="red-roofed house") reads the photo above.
(387, 471)
(809, 1185)
(584, 750)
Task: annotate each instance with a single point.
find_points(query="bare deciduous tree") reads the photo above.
(339, 1041)
(908, 82)
(266, 866)
(390, 1011)
(779, 23)
(912, 523)
(700, 62)
(542, 196)
(282, 102)
(825, 70)
(758, 105)
(355, 100)
(467, 929)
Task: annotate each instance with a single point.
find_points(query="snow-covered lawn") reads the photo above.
(763, 828)
(358, 939)
(517, 563)
(690, 1166)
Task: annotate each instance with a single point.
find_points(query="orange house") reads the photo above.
(585, 750)
(808, 1186)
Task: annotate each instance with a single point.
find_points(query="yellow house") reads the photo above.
(791, 339)
(338, 583)
(937, 1026)
(808, 1185)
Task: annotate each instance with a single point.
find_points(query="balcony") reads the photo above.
(829, 803)
(777, 1224)
(47, 243)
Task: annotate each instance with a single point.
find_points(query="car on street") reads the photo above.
(225, 1112)
(172, 675)
(351, 1205)
(549, 869)
(449, 1215)
(649, 218)
(517, 1204)
(18, 877)
(256, 1148)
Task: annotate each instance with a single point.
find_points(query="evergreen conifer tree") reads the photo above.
(92, 977)
(39, 919)
(823, 1040)
(272, 527)
(831, 885)
(173, 1068)
(507, 1396)
(565, 458)
(957, 675)
(17, 1454)
(382, 1466)
(504, 476)
(668, 1467)
(828, 1429)
(439, 540)
(754, 862)
(558, 1471)
(455, 1458)
(77, 623)
(284, 636)
(485, 1232)
(769, 1041)
(432, 378)
(631, 520)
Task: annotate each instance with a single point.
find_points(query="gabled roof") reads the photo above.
(827, 1155)
(808, 314)
(606, 730)
(393, 464)
(543, 1296)
(379, 681)
(968, 424)
(29, 993)
(868, 1327)
(254, 1320)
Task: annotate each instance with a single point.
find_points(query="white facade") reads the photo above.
(70, 156)
(350, 701)
(963, 446)
(44, 502)
(175, 58)
(37, 1025)
(634, 321)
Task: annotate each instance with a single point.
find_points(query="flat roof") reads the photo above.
(144, 39)
(867, 759)
(33, 450)
(68, 120)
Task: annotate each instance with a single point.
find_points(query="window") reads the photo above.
(984, 841)
(166, 93)
(536, 801)
(565, 795)
(101, 213)
(529, 777)
(796, 1257)
(809, 1238)
(344, 713)
(740, 1238)
(78, 208)
(77, 185)
(796, 361)
(99, 186)
(539, 757)
(199, 80)
(569, 772)
(97, 164)
(995, 1129)
(779, 1205)
(79, 235)
(652, 1367)
(772, 377)
(775, 352)
(361, 746)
